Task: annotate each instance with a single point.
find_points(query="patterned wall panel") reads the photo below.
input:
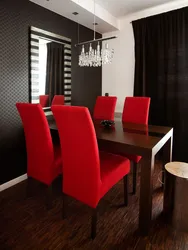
(15, 19)
(35, 35)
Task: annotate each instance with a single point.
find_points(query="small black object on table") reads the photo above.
(107, 123)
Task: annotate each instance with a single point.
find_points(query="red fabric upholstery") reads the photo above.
(105, 107)
(58, 100)
(43, 100)
(135, 158)
(43, 161)
(136, 110)
(85, 177)
(113, 168)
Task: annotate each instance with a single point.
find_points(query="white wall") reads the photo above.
(118, 78)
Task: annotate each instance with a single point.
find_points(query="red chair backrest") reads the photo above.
(40, 154)
(43, 100)
(105, 108)
(58, 100)
(80, 154)
(136, 110)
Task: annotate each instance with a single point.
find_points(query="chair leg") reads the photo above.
(64, 197)
(49, 197)
(134, 177)
(94, 223)
(125, 182)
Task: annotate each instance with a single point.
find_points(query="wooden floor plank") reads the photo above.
(26, 224)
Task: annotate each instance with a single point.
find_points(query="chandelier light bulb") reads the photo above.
(90, 48)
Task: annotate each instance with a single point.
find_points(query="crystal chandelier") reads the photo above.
(97, 55)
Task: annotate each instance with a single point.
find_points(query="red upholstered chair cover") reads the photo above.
(87, 175)
(136, 110)
(43, 100)
(43, 160)
(105, 108)
(58, 100)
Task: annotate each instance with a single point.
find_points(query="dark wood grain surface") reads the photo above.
(136, 135)
(146, 141)
(135, 138)
(27, 225)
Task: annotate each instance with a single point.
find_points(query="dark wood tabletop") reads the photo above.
(146, 141)
(136, 138)
(139, 138)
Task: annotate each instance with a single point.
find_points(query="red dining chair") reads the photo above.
(58, 100)
(43, 159)
(136, 110)
(105, 108)
(87, 175)
(43, 100)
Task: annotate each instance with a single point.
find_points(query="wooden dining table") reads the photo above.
(142, 140)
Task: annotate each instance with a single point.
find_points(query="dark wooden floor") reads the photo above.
(26, 224)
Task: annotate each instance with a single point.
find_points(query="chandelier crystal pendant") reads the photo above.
(97, 55)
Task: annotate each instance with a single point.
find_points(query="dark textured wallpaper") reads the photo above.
(15, 19)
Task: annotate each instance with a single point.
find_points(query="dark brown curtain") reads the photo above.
(54, 70)
(161, 72)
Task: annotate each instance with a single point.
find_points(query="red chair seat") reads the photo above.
(58, 100)
(136, 110)
(43, 100)
(113, 169)
(87, 173)
(105, 108)
(43, 159)
(134, 158)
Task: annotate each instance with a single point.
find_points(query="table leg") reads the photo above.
(167, 155)
(169, 180)
(146, 190)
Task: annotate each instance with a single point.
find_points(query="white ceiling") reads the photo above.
(108, 12)
(67, 7)
(119, 8)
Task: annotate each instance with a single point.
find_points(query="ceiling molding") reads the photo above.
(85, 8)
(100, 12)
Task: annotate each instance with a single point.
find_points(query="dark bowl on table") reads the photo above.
(107, 123)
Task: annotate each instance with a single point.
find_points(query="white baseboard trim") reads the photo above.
(13, 182)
